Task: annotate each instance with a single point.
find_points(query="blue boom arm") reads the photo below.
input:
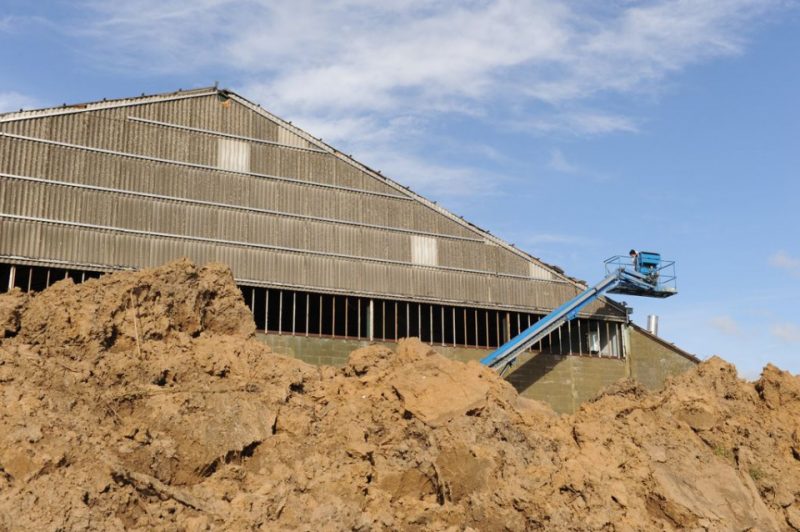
(634, 279)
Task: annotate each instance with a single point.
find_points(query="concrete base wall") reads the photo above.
(565, 381)
(562, 381)
(334, 351)
(653, 360)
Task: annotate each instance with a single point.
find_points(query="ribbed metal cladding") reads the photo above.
(212, 149)
(24, 158)
(30, 159)
(164, 216)
(83, 245)
(116, 132)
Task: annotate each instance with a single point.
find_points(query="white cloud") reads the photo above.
(14, 101)
(353, 55)
(645, 41)
(787, 332)
(726, 325)
(580, 123)
(786, 262)
(357, 69)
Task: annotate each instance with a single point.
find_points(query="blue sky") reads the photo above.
(575, 130)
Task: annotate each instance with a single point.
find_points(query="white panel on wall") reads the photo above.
(537, 272)
(233, 155)
(423, 250)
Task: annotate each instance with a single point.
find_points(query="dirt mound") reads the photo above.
(142, 401)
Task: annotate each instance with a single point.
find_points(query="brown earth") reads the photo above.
(142, 401)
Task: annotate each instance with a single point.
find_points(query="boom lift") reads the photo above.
(643, 275)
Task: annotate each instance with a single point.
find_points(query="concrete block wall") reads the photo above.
(653, 359)
(562, 381)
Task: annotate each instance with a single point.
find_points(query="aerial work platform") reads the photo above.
(643, 274)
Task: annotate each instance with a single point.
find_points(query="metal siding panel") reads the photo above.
(345, 174)
(264, 129)
(291, 139)
(233, 155)
(424, 250)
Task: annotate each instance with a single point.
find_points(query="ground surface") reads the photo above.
(142, 401)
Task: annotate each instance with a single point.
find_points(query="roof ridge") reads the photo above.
(65, 108)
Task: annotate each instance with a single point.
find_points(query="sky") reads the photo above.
(575, 130)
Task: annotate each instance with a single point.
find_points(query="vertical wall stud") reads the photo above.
(455, 337)
(443, 326)
(569, 334)
(477, 343)
(430, 326)
(371, 321)
(497, 322)
(486, 314)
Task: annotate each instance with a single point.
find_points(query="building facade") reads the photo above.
(326, 250)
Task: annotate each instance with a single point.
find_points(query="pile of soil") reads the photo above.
(142, 401)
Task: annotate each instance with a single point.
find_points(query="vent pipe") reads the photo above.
(652, 324)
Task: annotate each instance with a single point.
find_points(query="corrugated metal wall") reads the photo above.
(286, 213)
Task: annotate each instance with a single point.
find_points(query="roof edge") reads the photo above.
(64, 109)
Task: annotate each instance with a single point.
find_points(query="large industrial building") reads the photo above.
(329, 253)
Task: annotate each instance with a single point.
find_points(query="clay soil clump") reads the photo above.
(143, 401)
